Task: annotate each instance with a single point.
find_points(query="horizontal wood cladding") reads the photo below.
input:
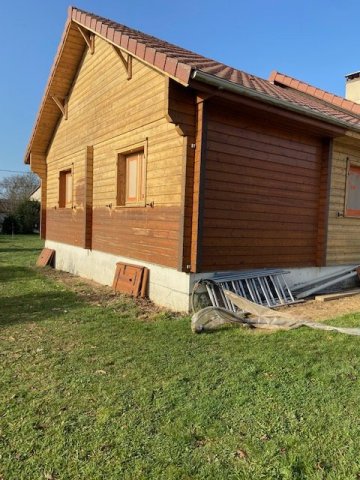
(343, 242)
(265, 194)
(149, 234)
(114, 114)
(65, 225)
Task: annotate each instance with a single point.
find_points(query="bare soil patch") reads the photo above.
(315, 310)
(103, 296)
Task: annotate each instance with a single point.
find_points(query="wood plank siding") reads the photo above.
(343, 245)
(265, 191)
(113, 115)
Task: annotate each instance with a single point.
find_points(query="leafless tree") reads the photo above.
(17, 188)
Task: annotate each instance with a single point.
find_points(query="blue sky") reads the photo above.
(316, 41)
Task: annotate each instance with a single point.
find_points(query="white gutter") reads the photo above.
(223, 84)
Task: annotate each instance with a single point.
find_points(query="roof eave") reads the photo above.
(48, 86)
(223, 84)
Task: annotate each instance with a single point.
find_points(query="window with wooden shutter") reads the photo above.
(131, 179)
(352, 207)
(65, 189)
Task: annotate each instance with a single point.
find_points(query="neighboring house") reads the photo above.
(154, 155)
(36, 194)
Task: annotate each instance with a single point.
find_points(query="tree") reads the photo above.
(25, 219)
(15, 189)
(28, 215)
(10, 225)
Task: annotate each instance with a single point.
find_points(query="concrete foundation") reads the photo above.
(167, 287)
(298, 276)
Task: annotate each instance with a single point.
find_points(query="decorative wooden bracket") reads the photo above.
(127, 63)
(89, 39)
(62, 104)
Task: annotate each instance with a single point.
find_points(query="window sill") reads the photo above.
(134, 205)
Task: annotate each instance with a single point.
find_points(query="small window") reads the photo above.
(131, 179)
(352, 208)
(65, 189)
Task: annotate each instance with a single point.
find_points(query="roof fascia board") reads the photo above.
(317, 127)
(48, 87)
(248, 92)
(132, 54)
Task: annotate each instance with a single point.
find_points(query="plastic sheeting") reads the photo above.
(252, 315)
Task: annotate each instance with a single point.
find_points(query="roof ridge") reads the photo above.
(278, 78)
(181, 65)
(187, 59)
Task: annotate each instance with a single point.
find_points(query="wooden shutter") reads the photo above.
(68, 189)
(65, 189)
(135, 178)
(353, 192)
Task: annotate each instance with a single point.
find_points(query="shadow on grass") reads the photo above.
(12, 273)
(11, 249)
(35, 307)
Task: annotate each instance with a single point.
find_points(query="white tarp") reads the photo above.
(257, 316)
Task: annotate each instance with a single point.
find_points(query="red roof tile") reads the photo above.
(286, 81)
(180, 63)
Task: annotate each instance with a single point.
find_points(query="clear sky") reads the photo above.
(314, 40)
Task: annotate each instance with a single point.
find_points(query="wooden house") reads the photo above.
(154, 155)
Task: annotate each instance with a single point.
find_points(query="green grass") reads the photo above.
(93, 392)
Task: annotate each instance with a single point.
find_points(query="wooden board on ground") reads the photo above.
(336, 296)
(130, 279)
(46, 257)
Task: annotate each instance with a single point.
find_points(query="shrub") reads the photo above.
(10, 225)
(26, 218)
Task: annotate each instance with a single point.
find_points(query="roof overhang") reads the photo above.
(71, 51)
(340, 127)
(67, 62)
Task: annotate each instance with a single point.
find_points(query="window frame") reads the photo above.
(63, 190)
(348, 212)
(122, 157)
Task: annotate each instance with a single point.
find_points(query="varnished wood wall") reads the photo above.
(111, 114)
(343, 244)
(263, 197)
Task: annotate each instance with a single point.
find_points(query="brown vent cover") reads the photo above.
(46, 257)
(131, 279)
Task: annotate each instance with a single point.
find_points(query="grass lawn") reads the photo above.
(92, 391)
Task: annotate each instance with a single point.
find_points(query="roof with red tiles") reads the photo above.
(180, 64)
(285, 80)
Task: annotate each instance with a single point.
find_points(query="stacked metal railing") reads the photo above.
(264, 287)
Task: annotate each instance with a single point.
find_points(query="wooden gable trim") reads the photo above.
(66, 68)
(182, 70)
(89, 39)
(62, 104)
(127, 63)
